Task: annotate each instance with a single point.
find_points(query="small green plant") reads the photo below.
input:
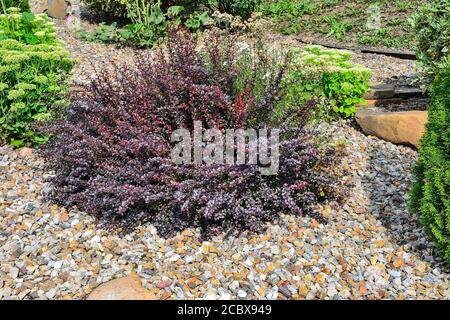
(140, 32)
(330, 3)
(394, 22)
(288, 8)
(242, 8)
(116, 8)
(430, 193)
(351, 12)
(431, 25)
(405, 6)
(384, 37)
(326, 76)
(27, 27)
(337, 29)
(289, 12)
(33, 73)
(291, 29)
(148, 25)
(103, 33)
(196, 20)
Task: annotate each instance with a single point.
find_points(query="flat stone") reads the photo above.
(383, 91)
(406, 127)
(127, 288)
(57, 8)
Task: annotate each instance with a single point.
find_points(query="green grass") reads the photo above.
(383, 37)
(345, 20)
(336, 28)
(394, 22)
(288, 8)
(404, 6)
(330, 3)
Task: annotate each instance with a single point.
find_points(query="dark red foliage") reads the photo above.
(111, 154)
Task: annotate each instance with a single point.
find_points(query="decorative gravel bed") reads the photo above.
(370, 248)
(89, 55)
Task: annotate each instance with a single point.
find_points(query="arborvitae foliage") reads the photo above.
(430, 196)
(111, 154)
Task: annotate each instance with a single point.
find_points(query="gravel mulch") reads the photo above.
(90, 56)
(95, 55)
(371, 246)
(385, 69)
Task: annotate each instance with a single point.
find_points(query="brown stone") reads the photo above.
(58, 9)
(127, 288)
(25, 152)
(406, 127)
(164, 284)
(64, 217)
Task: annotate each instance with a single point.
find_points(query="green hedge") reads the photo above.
(430, 195)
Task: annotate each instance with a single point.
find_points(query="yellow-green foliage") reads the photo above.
(430, 195)
(27, 27)
(32, 81)
(328, 77)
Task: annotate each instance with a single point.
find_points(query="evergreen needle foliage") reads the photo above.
(430, 196)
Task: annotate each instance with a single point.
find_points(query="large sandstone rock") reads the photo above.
(404, 127)
(127, 288)
(58, 8)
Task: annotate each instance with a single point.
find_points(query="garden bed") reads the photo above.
(384, 68)
(370, 247)
(381, 24)
(367, 247)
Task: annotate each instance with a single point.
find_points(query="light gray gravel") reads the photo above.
(371, 247)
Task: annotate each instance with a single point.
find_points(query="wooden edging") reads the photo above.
(388, 91)
(406, 55)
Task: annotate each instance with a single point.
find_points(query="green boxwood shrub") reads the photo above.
(23, 5)
(431, 26)
(33, 71)
(430, 195)
(327, 76)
